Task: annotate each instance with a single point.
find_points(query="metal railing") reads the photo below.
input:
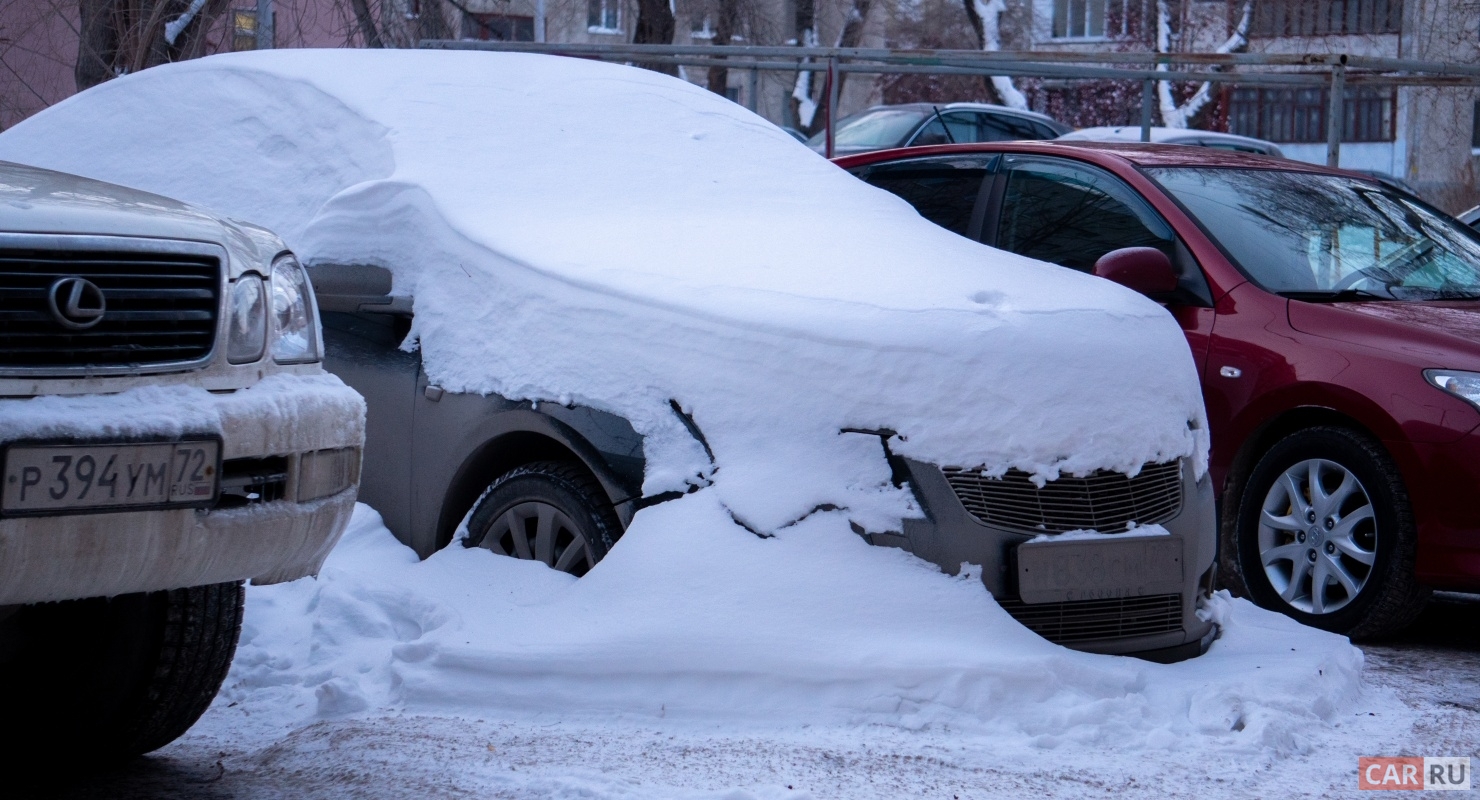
(1330, 71)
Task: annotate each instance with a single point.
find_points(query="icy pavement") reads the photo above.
(804, 666)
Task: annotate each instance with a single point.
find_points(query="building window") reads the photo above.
(1326, 17)
(243, 29)
(498, 28)
(1299, 115)
(604, 16)
(1098, 19)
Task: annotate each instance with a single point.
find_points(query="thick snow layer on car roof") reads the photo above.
(597, 234)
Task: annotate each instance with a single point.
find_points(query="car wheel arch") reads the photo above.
(551, 440)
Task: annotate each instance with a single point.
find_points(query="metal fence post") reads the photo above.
(1148, 87)
(1335, 113)
(751, 98)
(832, 103)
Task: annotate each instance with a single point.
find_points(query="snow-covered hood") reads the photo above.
(597, 234)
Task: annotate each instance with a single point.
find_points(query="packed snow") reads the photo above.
(693, 628)
(604, 235)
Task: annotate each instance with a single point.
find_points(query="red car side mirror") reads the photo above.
(1141, 269)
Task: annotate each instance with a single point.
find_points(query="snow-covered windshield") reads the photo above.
(1316, 237)
(876, 129)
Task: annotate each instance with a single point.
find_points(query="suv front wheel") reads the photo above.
(114, 677)
(1326, 535)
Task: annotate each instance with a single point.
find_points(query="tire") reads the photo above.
(549, 511)
(116, 677)
(1325, 534)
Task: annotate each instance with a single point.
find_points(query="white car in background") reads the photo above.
(1159, 135)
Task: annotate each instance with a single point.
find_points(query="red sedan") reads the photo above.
(1336, 323)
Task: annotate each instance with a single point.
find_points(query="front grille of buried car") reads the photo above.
(1088, 620)
(160, 309)
(1103, 501)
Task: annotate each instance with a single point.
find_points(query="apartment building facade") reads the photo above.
(1429, 137)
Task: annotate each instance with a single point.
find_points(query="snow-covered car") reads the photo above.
(1159, 135)
(167, 432)
(571, 291)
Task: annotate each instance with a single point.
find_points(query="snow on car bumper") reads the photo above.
(1152, 614)
(289, 474)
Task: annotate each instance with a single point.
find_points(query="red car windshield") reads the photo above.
(1329, 237)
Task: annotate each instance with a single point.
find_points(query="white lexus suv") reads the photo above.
(166, 433)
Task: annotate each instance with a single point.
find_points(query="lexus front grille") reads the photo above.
(1104, 501)
(158, 310)
(1090, 620)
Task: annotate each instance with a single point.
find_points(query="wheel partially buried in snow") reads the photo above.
(1326, 534)
(551, 512)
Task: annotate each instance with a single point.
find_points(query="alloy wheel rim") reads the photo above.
(1317, 536)
(537, 531)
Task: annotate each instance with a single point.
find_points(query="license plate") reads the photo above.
(42, 479)
(1099, 569)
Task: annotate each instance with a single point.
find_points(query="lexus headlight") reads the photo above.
(1464, 385)
(246, 331)
(295, 332)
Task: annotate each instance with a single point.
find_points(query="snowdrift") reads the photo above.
(811, 627)
(591, 233)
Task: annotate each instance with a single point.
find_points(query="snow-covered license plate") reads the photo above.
(41, 479)
(1099, 568)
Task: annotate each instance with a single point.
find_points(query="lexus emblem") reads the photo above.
(76, 303)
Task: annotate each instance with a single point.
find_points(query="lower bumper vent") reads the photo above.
(248, 481)
(1088, 620)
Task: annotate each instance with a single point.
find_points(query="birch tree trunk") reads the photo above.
(986, 21)
(1174, 115)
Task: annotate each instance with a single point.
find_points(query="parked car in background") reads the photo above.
(548, 346)
(1470, 216)
(919, 124)
(1159, 135)
(1336, 325)
(794, 133)
(1389, 180)
(167, 432)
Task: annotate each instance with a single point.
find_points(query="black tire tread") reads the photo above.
(1400, 597)
(574, 479)
(201, 629)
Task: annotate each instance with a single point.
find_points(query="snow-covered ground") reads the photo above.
(809, 665)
